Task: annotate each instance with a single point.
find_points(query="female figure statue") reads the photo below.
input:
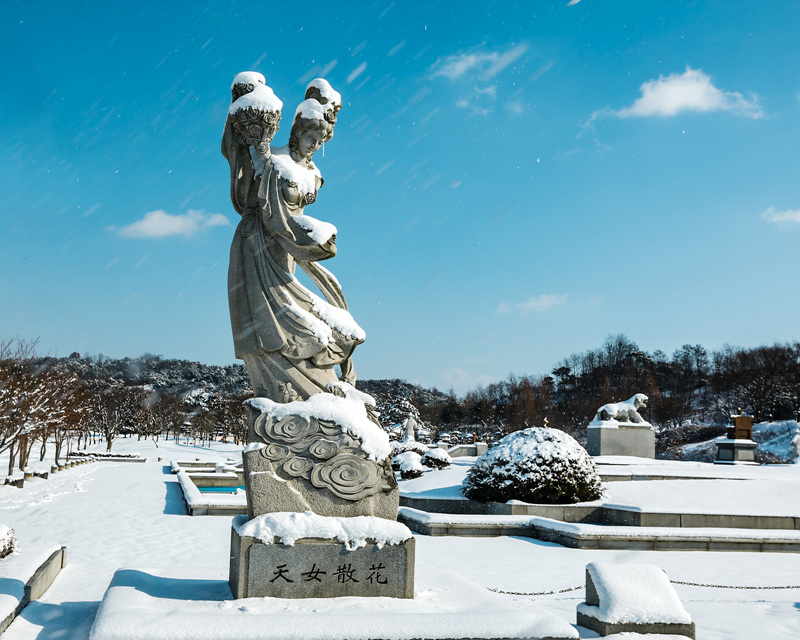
(289, 338)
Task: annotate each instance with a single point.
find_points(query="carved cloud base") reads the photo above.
(268, 492)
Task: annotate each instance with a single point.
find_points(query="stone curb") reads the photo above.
(646, 540)
(38, 584)
(615, 515)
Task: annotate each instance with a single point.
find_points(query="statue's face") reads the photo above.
(309, 141)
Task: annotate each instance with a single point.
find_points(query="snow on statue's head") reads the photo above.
(320, 90)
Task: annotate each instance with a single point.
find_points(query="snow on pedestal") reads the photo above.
(632, 597)
(186, 604)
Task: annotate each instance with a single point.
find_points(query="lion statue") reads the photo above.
(624, 411)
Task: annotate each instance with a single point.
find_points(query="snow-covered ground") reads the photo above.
(114, 514)
(730, 489)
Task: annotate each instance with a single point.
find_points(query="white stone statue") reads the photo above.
(625, 413)
(315, 441)
(408, 431)
(289, 337)
(796, 443)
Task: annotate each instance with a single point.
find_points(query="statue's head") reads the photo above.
(311, 127)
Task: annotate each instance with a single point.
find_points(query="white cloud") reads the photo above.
(159, 224)
(788, 216)
(690, 91)
(485, 64)
(461, 380)
(536, 304)
(475, 72)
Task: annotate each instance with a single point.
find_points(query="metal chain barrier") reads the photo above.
(536, 593)
(731, 586)
(690, 584)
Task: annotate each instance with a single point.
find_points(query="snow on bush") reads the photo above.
(408, 464)
(436, 458)
(540, 465)
(402, 447)
(7, 540)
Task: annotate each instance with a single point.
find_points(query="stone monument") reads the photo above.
(321, 495)
(738, 445)
(619, 430)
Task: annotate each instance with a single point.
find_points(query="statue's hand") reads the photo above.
(330, 245)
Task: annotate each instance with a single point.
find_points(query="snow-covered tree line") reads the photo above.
(694, 385)
(68, 403)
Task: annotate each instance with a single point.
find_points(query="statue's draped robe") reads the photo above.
(276, 330)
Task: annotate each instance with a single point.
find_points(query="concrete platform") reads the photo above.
(210, 504)
(22, 581)
(607, 514)
(593, 536)
(153, 605)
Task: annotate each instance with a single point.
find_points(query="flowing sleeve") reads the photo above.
(243, 187)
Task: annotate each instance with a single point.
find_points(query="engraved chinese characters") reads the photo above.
(313, 570)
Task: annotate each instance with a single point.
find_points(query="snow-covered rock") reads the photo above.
(542, 465)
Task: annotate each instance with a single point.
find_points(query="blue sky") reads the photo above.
(510, 182)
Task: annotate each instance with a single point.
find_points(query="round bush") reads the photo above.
(408, 464)
(437, 458)
(399, 447)
(539, 465)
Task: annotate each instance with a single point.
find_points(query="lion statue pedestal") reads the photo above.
(619, 430)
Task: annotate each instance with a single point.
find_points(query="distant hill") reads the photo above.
(395, 398)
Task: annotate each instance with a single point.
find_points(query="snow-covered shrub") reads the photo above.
(102, 454)
(436, 458)
(402, 447)
(7, 540)
(408, 464)
(534, 465)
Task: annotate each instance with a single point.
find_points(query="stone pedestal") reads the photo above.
(733, 450)
(621, 441)
(315, 568)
